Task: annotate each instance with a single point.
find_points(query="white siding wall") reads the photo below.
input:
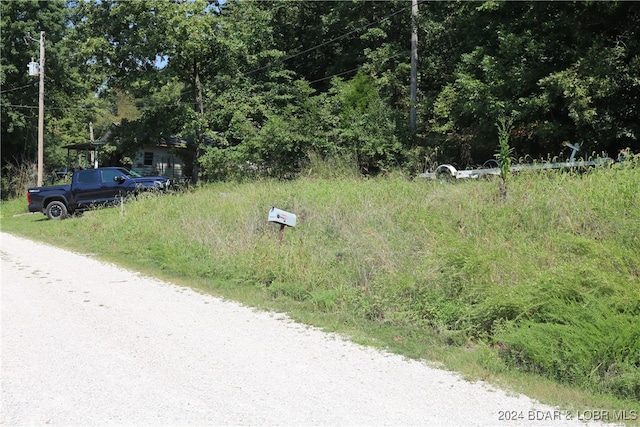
(161, 162)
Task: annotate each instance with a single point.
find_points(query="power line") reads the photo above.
(327, 42)
(21, 106)
(189, 91)
(153, 106)
(15, 88)
(349, 71)
(88, 107)
(335, 75)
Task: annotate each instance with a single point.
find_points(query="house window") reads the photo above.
(148, 158)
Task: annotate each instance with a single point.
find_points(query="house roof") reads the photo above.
(83, 146)
(86, 146)
(172, 141)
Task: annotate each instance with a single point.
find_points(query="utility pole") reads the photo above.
(414, 63)
(199, 135)
(36, 69)
(41, 113)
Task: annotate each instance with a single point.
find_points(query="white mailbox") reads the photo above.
(282, 217)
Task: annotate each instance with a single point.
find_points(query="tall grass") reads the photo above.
(547, 281)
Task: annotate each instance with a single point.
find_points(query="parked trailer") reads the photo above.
(446, 171)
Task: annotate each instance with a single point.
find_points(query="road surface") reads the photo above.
(87, 343)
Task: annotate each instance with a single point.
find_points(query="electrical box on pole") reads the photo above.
(34, 68)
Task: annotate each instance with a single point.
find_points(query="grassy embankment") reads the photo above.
(539, 292)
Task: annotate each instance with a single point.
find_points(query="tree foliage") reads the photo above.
(557, 68)
(67, 115)
(258, 88)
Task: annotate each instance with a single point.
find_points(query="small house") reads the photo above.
(164, 158)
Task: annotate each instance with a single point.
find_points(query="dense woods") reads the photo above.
(260, 87)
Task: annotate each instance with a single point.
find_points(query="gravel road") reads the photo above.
(88, 343)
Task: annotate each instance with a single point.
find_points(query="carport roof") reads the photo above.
(83, 146)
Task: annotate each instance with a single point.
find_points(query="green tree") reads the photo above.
(255, 86)
(367, 127)
(557, 66)
(67, 114)
(157, 53)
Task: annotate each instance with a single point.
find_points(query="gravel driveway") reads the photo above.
(88, 343)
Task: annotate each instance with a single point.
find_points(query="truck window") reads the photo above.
(89, 176)
(109, 174)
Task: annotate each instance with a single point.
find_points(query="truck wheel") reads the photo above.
(56, 210)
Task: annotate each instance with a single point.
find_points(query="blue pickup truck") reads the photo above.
(90, 188)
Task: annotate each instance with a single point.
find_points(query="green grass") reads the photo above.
(539, 291)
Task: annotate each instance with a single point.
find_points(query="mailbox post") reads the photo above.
(285, 219)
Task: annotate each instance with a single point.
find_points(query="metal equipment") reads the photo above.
(446, 171)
